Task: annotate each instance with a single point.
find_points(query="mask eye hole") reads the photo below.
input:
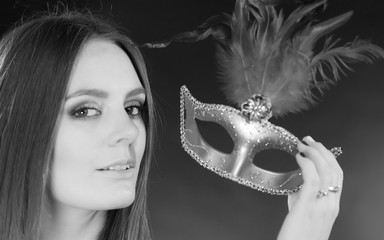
(215, 135)
(275, 161)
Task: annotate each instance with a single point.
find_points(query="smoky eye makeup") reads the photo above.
(85, 110)
(135, 107)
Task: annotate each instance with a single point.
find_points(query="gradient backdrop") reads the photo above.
(188, 202)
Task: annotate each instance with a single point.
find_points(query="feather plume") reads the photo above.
(261, 52)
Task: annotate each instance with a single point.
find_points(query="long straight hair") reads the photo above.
(36, 60)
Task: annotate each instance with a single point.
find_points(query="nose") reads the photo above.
(123, 129)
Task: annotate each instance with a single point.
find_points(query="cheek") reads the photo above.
(71, 169)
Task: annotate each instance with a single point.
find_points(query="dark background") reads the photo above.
(188, 202)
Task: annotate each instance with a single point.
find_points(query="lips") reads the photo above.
(117, 167)
(121, 165)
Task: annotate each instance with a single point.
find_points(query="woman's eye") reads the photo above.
(84, 112)
(135, 110)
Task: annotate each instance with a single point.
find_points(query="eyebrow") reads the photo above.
(102, 94)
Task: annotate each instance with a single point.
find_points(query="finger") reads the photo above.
(310, 177)
(334, 166)
(335, 171)
(327, 154)
(322, 168)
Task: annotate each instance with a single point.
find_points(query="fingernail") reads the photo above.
(309, 138)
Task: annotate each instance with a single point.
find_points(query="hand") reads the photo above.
(312, 214)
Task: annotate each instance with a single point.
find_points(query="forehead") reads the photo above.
(102, 64)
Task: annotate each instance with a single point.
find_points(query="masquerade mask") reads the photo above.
(249, 136)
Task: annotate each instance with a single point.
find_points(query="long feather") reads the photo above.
(261, 52)
(274, 58)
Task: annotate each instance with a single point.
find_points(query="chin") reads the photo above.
(109, 201)
(122, 200)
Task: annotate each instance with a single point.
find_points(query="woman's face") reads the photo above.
(101, 134)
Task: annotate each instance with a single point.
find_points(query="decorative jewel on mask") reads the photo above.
(257, 108)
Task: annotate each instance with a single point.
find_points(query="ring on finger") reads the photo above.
(321, 194)
(334, 189)
(336, 151)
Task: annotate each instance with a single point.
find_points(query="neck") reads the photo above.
(65, 222)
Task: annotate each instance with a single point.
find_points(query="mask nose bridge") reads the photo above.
(244, 143)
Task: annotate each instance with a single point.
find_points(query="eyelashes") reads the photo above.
(134, 109)
(85, 111)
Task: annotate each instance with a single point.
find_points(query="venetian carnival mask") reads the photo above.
(250, 136)
(268, 68)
